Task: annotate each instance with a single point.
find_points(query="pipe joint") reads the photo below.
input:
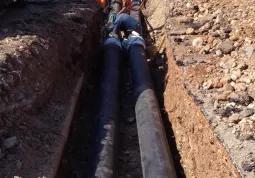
(112, 41)
(132, 40)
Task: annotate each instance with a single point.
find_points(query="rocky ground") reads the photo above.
(213, 44)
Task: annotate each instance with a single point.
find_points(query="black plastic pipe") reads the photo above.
(103, 160)
(105, 146)
(155, 153)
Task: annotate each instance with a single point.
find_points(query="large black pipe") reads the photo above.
(155, 153)
(105, 143)
(105, 146)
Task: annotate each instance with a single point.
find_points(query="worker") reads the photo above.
(126, 6)
(123, 22)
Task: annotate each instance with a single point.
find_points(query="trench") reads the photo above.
(76, 159)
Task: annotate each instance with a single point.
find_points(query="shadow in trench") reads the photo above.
(159, 69)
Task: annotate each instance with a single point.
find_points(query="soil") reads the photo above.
(211, 115)
(39, 71)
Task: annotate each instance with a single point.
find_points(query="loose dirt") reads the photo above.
(43, 49)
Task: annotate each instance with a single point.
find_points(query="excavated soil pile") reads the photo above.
(43, 51)
(209, 93)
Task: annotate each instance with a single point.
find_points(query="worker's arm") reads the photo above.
(124, 9)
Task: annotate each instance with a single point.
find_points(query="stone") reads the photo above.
(242, 98)
(219, 19)
(233, 38)
(10, 142)
(217, 83)
(197, 42)
(217, 12)
(228, 29)
(246, 136)
(242, 66)
(226, 47)
(208, 85)
(225, 80)
(228, 87)
(210, 39)
(234, 118)
(248, 166)
(222, 97)
(215, 34)
(246, 80)
(186, 19)
(240, 87)
(218, 53)
(247, 112)
(234, 77)
(249, 51)
(204, 28)
(190, 31)
(3, 57)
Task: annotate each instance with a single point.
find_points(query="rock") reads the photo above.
(233, 38)
(205, 49)
(237, 44)
(208, 85)
(248, 166)
(246, 136)
(234, 77)
(3, 57)
(242, 98)
(204, 28)
(228, 87)
(226, 47)
(190, 31)
(10, 142)
(240, 87)
(247, 112)
(246, 80)
(249, 51)
(242, 66)
(222, 97)
(217, 12)
(210, 39)
(234, 118)
(228, 29)
(217, 83)
(218, 53)
(186, 19)
(215, 34)
(197, 42)
(219, 19)
(225, 80)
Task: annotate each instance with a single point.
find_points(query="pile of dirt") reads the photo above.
(210, 83)
(43, 51)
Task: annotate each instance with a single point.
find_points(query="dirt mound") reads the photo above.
(43, 49)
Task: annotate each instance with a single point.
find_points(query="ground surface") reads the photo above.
(40, 49)
(210, 75)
